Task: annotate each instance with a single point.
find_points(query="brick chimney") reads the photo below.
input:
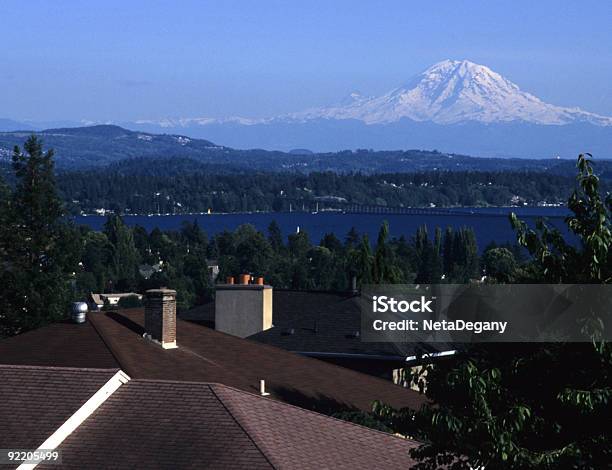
(243, 309)
(160, 317)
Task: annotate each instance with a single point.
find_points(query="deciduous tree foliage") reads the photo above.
(519, 406)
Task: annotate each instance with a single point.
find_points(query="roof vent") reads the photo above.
(288, 331)
(79, 312)
(262, 388)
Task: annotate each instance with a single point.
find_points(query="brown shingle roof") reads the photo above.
(205, 355)
(35, 401)
(114, 340)
(62, 344)
(295, 438)
(161, 425)
(164, 424)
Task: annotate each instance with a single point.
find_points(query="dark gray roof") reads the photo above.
(320, 323)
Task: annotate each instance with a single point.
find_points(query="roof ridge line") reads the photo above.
(247, 433)
(108, 347)
(71, 368)
(175, 381)
(283, 403)
(76, 419)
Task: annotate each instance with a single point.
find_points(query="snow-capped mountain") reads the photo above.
(172, 123)
(449, 92)
(453, 106)
(454, 91)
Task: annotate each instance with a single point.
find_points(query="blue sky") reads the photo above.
(126, 60)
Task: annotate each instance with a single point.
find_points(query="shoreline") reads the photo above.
(438, 211)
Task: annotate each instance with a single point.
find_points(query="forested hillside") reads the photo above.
(187, 187)
(99, 146)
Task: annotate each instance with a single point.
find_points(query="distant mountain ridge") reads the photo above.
(453, 106)
(100, 146)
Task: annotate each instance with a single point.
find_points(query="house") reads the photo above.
(104, 419)
(126, 340)
(147, 270)
(323, 325)
(212, 266)
(97, 301)
(141, 388)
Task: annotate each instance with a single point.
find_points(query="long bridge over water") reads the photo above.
(353, 208)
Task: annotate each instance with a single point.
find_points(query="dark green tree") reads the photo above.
(499, 264)
(529, 406)
(384, 270)
(123, 254)
(253, 250)
(352, 238)
(429, 267)
(38, 263)
(299, 244)
(364, 261)
(275, 236)
(332, 243)
(447, 251)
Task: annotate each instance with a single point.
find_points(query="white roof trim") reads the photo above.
(428, 355)
(80, 415)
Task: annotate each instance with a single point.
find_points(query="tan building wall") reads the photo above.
(243, 309)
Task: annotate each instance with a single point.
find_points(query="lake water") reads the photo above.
(489, 224)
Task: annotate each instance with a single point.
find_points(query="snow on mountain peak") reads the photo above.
(453, 91)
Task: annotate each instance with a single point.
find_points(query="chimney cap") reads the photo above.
(160, 292)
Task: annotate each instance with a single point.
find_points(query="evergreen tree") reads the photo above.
(37, 264)
(124, 256)
(275, 236)
(364, 261)
(352, 238)
(384, 270)
(194, 236)
(429, 269)
(447, 251)
(406, 258)
(7, 326)
(332, 243)
(465, 262)
(299, 244)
